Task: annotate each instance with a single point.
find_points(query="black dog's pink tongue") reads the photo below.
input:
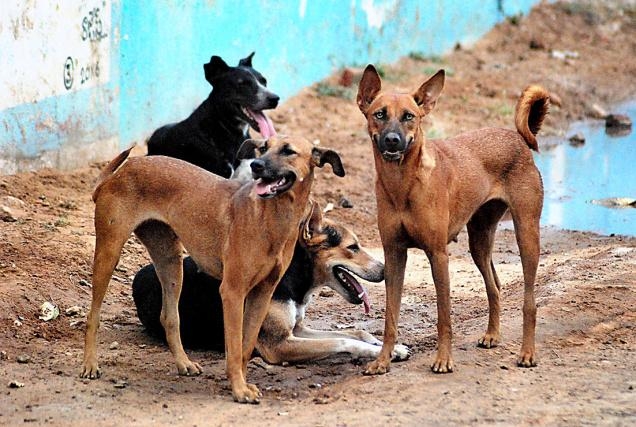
(264, 124)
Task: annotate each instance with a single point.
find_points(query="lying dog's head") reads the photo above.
(244, 90)
(338, 258)
(393, 119)
(281, 162)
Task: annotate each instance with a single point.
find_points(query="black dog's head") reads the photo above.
(244, 90)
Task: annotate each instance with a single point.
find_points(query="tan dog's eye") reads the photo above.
(380, 115)
(407, 117)
(262, 149)
(287, 151)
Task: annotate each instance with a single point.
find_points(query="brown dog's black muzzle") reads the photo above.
(392, 143)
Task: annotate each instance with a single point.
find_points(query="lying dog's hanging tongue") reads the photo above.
(265, 125)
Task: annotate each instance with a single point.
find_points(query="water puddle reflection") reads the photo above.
(589, 187)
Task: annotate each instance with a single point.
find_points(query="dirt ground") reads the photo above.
(586, 331)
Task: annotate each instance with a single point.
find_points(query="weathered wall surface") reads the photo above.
(79, 79)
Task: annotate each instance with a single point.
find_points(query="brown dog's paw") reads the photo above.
(377, 367)
(527, 361)
(247, 394)
(442, 366)
(91, 370)
(189, 368)
(488, 341)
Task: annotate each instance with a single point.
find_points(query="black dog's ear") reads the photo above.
(369, 87)
(426, 96)
(322, 156)
(214, 68)
(247, 150)
(247, 61)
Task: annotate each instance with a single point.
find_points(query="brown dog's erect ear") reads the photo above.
(313, 223)
(247, 61)
(214, 68)
(368, 88)
(426, 96)
(247, 150)
(322, 156)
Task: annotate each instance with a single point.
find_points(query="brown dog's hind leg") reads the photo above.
(166, 252)
(481, 238)
(526, 213)
(395, 263)
(108, 246)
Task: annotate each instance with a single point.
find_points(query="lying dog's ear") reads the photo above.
(313, 223)
(247, 150)
(247, 61)
(214, 68)
(323, 155)
(369, 87)
(426, 96)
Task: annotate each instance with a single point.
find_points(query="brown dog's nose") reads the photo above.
(392, 140)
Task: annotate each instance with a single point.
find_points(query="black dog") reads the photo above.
(211, 136)
(327, 254)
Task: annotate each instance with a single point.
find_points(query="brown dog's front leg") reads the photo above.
(395, 263)
(439, 265)
(233, 299)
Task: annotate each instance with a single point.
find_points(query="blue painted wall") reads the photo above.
(157, 50)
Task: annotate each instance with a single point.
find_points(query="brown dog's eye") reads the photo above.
(380, 115)
(262, 149)
(407, 117)
(354, 248)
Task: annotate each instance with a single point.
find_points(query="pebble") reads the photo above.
(23, 358)
(577, 139)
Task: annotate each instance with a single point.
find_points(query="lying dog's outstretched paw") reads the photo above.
(400, 353)
(189, 368)
(248, 394)
(377, 367)
(488, 341)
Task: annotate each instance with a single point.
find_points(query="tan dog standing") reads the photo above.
(428, 190)
(243, 234)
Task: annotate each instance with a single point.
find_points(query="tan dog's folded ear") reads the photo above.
(312, 224)
(426, 96)
(322, 156)
(369, 88)
(247, 149)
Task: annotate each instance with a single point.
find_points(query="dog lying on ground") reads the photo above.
(427, 191)
(212, 135)
(326, 254)
(244, 234)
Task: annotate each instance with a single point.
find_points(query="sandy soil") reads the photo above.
(586, 332)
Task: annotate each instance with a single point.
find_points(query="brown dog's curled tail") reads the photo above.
(532, 108)
(110, 168)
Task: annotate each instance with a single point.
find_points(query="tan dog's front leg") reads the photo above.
(256, 308)
(439, 265)
(233, 298)
(395, 263)
(171, 276)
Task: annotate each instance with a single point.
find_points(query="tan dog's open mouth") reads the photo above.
(266, 188)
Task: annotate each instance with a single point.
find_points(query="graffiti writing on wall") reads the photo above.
(93, 31)
(50, 48)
